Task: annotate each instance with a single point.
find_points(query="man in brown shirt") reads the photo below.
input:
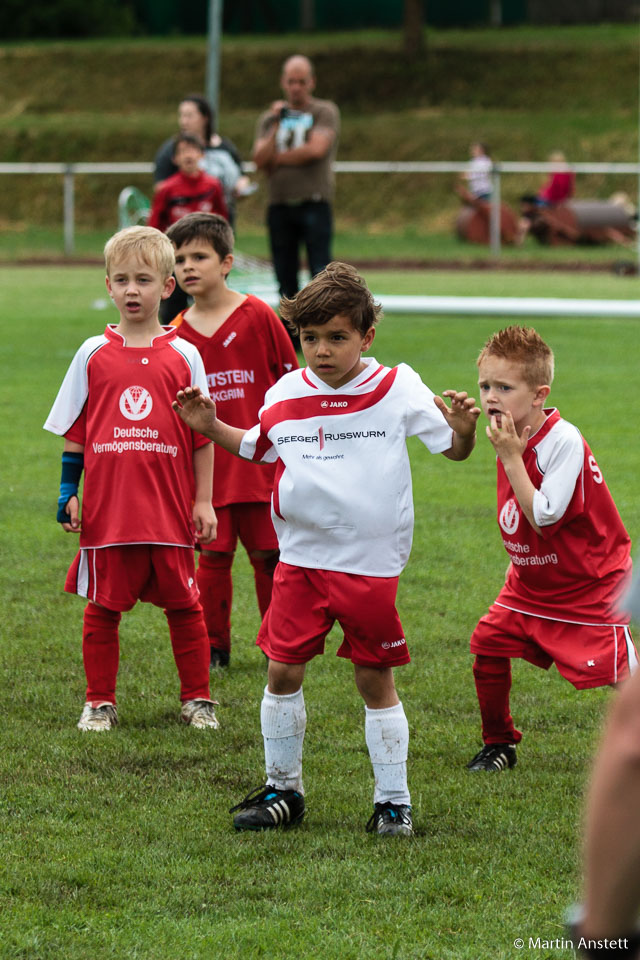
(296, 143)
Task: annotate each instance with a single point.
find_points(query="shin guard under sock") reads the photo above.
(387, 735)
(190, 645)
(283, 720)
(216, 593)
(100, 652)
(263, 570)
(493, 685)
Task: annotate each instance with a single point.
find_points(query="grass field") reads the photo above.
(121, 846)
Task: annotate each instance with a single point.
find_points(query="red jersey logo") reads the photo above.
(136, 403)
(509, 517)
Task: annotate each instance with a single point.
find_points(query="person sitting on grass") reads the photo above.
(245, 350)
(568, 549)
(135, 543)
(343, 511)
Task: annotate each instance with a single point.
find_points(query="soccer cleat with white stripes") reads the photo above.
(391, 820)
(98, 719)
(199, 714)
(494, 758)
(267, 807)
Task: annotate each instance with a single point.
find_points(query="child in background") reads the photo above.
(135, 543)
(568, 548)
(343, 511)
(245, 350)
(188, 190)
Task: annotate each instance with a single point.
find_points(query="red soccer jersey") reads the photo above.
(116, 401)
(243, 358)
(179, 195)
(576, 568)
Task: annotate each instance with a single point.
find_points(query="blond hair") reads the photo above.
(337, 290)
(148, 244)
(525, 346)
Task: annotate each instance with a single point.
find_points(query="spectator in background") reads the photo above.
(478, 177)
(220, 159)
(558, 188)
(296, 143)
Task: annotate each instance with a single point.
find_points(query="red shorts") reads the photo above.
(586, 655)
(306, 603)
(248, 522)
(116, 577)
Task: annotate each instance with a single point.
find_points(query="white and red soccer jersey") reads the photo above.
(243, 358)
(342, 497)
(576, 569)
(116, 401)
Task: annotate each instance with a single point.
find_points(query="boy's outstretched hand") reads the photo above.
(462, 415)
(197, 410)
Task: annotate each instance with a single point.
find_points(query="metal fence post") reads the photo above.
(69, 212)
(494, 226)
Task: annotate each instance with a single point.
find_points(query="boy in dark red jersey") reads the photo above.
(114, 411)
(188, 190)
(245, 349)
(568, 548)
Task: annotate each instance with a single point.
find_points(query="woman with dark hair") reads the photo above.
(221, 157)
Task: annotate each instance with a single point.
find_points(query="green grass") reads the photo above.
(120, 846)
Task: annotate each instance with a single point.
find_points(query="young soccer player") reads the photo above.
(187, 190)
(568, 549)
(343, 511)
(135, 543)
(245, 349)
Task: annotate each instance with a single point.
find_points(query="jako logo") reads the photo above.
(390, 646)
(510, 517)
(325, 403)
(136, 403)
(230, 338)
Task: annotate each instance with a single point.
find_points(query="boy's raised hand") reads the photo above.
(463, 413)
(197, 410)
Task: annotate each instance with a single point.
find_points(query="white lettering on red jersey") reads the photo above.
(138, 455)
(342, 499)
(243, 359)
(577, 567)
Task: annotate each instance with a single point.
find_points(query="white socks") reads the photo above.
(387, 734)
(283, 720)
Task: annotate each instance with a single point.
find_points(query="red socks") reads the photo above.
(493, 684)
(263, 570)
(191, 651)
(100, 652)
(216, 591)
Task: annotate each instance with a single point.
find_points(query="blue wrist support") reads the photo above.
(72, 465)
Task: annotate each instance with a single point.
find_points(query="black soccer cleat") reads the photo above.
(494, 758)
(391, 820)
(266, 808)
(219, 658)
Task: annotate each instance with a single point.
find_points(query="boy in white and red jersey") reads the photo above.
(113, 409)
(245, 350)
(568, 548)
(343, 512)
